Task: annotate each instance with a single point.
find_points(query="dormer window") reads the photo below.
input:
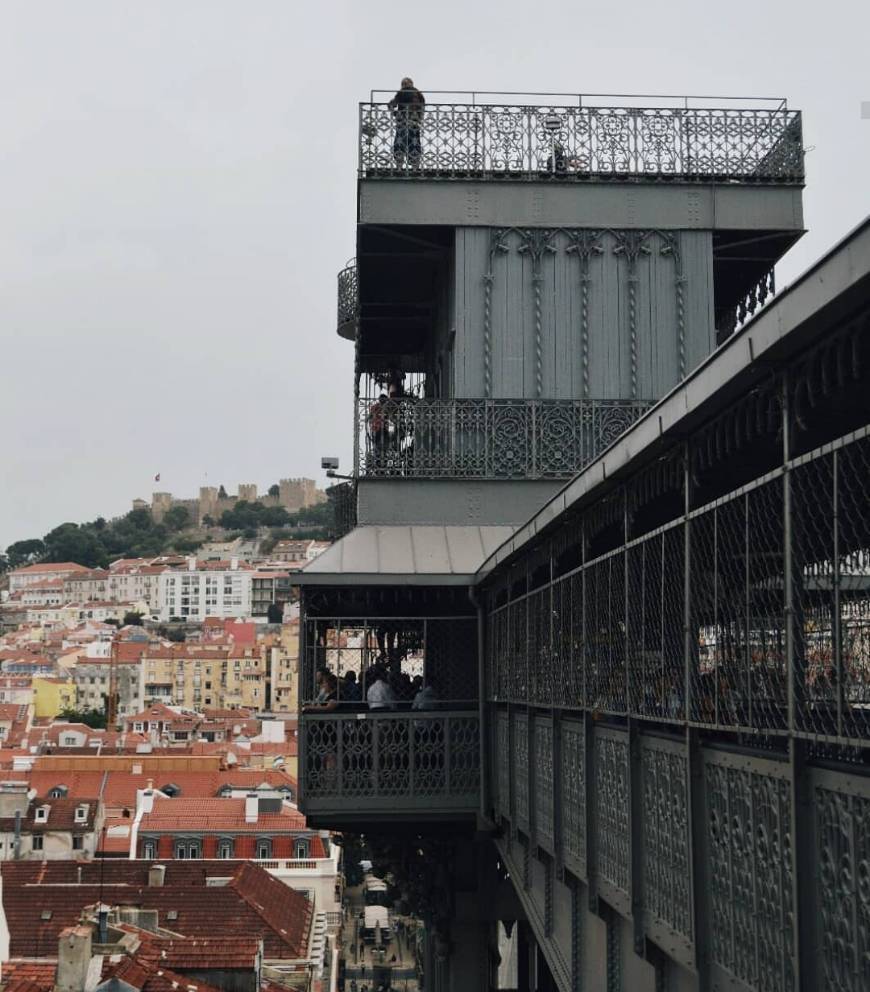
(58, 792)
(81, 814)
(41, 814)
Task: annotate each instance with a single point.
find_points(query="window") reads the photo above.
(69, 740)
(37, 842)
(78, 843)
(301, 849)
(149, 850)
(187, 848)
(264, 847)
(81, 815)
(225, 848)
(41, 815)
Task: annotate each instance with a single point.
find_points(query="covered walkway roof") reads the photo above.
(416, 555)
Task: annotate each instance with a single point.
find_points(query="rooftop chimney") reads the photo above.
(145, 800)
(156, 875)
(73, 958)
(191, 563)
(252, 807)
(234, 563)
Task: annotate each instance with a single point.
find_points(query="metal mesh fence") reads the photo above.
(611, 636)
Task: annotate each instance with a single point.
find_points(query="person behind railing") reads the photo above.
(407, 107)
(351, 692)
(380, 695)
(426, 697)
(327, 697)
(378, 425)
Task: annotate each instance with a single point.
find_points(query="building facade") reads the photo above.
(205, 589)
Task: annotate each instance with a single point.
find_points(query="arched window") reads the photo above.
(301, 848)
(149, 849)
(225, 847)
(264, 847)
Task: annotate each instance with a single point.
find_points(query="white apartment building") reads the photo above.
(206, 589)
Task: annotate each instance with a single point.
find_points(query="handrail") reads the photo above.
(488, 439)
(554, 141)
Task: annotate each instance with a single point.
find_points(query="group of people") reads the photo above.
(377, 687)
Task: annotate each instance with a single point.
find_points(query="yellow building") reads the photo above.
(282, 651)
(52, 696)
(198, 676)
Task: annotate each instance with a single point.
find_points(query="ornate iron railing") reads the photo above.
(348, 294)
(410, 761)
(456, 140)
(487, 439)
(756, 299)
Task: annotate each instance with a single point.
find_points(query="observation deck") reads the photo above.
(534, 137)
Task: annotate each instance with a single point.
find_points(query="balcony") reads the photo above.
(487, 439)
(348, 300)
(355, 761)
(417, 762)
(520, 139)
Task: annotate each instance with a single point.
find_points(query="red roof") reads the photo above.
(222, 815)
(49, 566)
(252, 904)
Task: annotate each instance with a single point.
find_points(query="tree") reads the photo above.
(222, 493)
(274, 614)
(176, 518)
(274, 489)
(22, 553)
(70, 542)
(95, 719)
(133, 619)
(176, 635)
(208, 520)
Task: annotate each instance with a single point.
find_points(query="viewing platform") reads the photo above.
(583, 138)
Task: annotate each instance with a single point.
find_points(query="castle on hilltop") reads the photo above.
(293, 495)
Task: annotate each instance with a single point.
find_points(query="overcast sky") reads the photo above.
(177, 194)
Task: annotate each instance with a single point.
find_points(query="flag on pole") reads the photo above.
(157, 477)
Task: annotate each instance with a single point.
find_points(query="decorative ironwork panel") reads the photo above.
(521, 769)
(572, 780)
(487, 439)
(503, 763)
(667, 877)
(576, 143)
(612, 842)
(348, 294)
(544, 783)
(750, 870)
(843, 853)
(399, 759)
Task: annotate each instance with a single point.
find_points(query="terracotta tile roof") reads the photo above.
(38, 971)
(252, 904)
(49, 566)
(217, 815)
(61, 816)
(13, 712)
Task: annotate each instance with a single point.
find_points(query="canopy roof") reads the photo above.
(419, 555)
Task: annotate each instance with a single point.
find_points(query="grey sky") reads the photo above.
(177, 194)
